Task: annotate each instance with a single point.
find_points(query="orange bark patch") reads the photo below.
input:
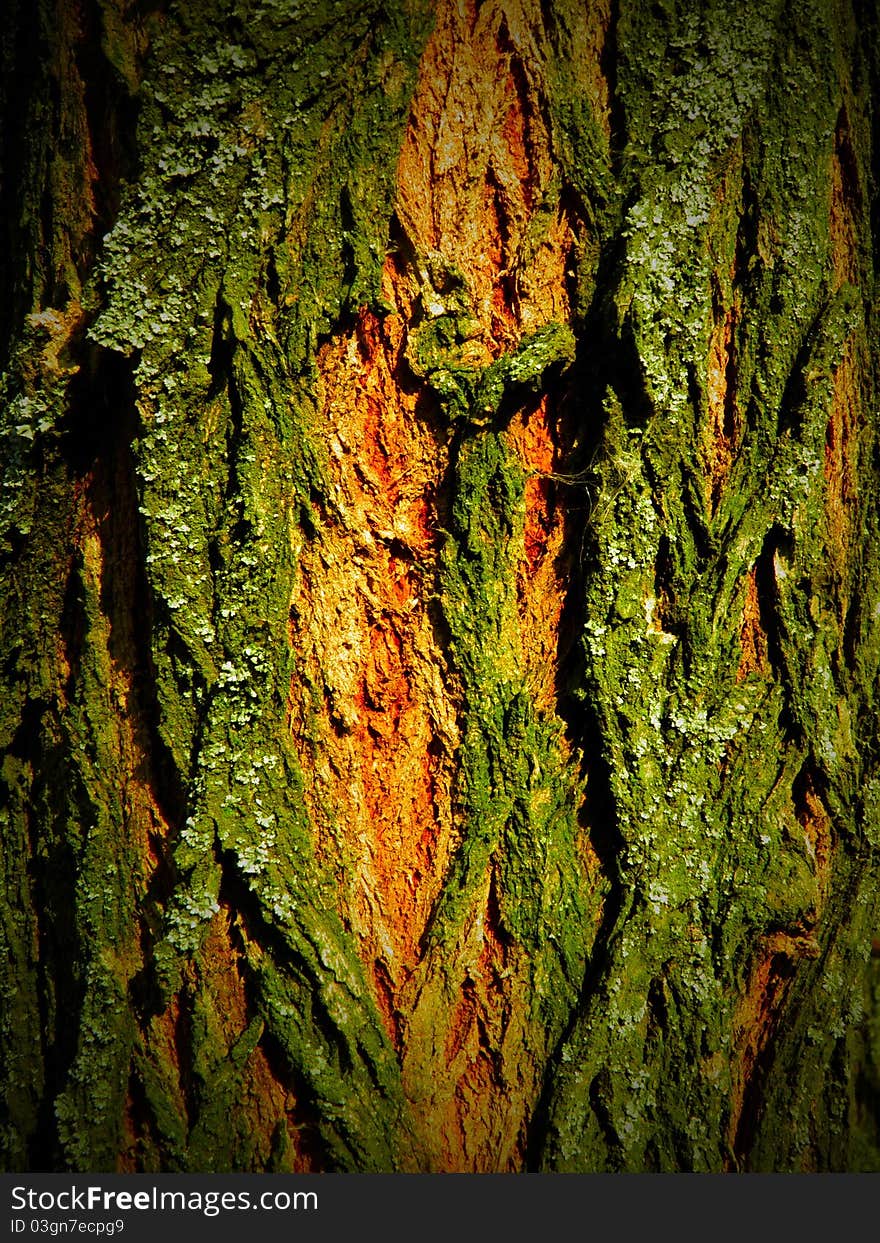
(754, 1021)
(477, 160)
(545, 567)
(841, 465)
(473, 1094)
(815, 822)
(371, 713)
(474, 177)
(476, 163)
(753, 640)
(725, 425)
(845, 200)
(166, 1039)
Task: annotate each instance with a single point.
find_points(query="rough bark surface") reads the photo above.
(441, 586)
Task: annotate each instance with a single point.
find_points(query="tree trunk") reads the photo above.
(441, 593)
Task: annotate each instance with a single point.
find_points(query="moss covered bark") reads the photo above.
(440, 586)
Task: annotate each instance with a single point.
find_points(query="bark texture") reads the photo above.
(441, 585)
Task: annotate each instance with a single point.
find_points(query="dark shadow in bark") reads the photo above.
(304, 1116)
(52, 870)
(235, 891)
(24, 77)
(608, 63)
(111, 116)
(765, 584)
(97, 438)
(781, 972)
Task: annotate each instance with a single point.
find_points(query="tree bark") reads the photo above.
(441, 586)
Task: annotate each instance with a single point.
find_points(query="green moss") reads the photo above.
(664, 594)
(517, 791)
(437, 353)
